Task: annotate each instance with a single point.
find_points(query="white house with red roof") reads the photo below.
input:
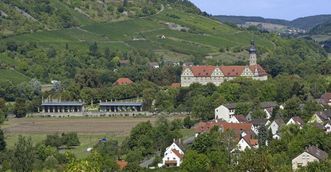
(238, 119)
(173, 156)
(123, 81)
(217, 75)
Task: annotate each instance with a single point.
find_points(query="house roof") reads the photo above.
(121, 164)
(316, 152)
(298, 120)
(326, 98)
(231, 105)
(323, 115)
(241, 118)
(257, 69)
(259, 122)
(123, 81)
(280, 122)
(62, 103)
(251, 142)
(202, 71)
(232, 71)
(177, 153)
(121, 104)
(265, 105)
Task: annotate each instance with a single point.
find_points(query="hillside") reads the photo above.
(323, 29)
(176, 32)
(305, 23)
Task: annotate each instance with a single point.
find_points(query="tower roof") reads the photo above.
(252, 49)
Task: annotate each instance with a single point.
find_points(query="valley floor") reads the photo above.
(90, 130)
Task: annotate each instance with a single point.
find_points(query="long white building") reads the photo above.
(218, 74)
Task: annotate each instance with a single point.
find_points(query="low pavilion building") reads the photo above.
(62, 106)
(121, 106)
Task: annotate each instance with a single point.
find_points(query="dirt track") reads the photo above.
(117, 126)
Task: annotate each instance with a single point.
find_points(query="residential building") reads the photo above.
(173, 156)
(121, 164)
(154, 65)
(327, 127)
(296, 121)
(123, 81)
(257, 123)
(326, 99)
(320, 117)
(311, 154)
(225, 112)
(219, 74)
(268, 108)
(275, 127)
(246, 143)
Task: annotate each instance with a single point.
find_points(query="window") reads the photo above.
(299, 164)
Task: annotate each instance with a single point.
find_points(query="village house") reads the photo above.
(326, 99)
(173, 156)
(275, 127)
(257, 123)
(268, 108)
(246, 143)
(327, 127)
(123, 81)
(320, 117)
(154, 65)
(311, 154)
(225, 112)
(217, 75)
(296, 121)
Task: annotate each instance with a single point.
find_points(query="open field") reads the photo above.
(90, 130)
(12, 75)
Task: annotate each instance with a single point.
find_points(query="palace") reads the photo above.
(217, 75)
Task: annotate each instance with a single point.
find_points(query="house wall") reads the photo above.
(223, 113)
(302, 160)
(327, 128)
(274, 127)
(172, 157)
(243, 145)
(233, 120)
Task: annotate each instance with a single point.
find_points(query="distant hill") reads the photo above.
(244, 19)
(324, 28)
(305, 23)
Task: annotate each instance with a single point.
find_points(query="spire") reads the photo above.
(252, 49)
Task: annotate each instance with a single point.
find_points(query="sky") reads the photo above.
(280, 9)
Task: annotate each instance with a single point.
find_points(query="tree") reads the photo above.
(2, 141)
(53, 140)
(20, 108)
(187, 122)
(203, 107)
(70, 139)
(23, 156)
(195, 162)
(243, 108)
(292, 108)
(94, 49)
(263, 135)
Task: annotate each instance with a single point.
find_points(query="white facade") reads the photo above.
(327, 128)
(172, 154)
(302, 160)
(223, 113)
(274, 127)
(293, 122)
(243, 145)
(233, 119)
(316, 119)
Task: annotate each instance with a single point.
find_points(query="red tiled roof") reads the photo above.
(122, 164)
(175, 85)
(123, 81)
(238, 128)
(202, 71)
(259, 69)
(231, 71)
(177, 153)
